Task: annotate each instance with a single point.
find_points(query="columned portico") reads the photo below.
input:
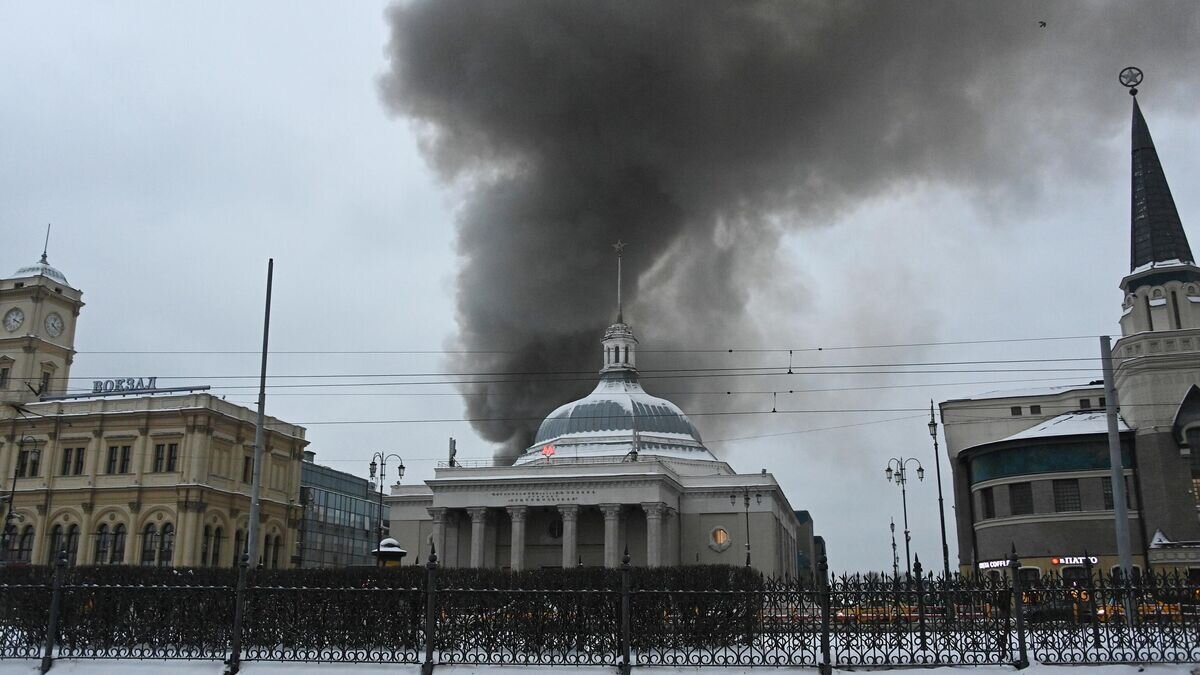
(517, 514)
(612, 531)
(570, 534)
(438, 531)
(478, 534)
(654, 541)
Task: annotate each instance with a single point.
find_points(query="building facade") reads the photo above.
(136, 479)
(1031, 468)
(617, 470)
(341, 517)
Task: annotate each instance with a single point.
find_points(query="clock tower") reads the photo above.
(38, 312)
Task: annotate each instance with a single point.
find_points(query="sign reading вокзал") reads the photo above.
(124, 384)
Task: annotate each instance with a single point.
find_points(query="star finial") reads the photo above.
(619, 247)
(1131, 77)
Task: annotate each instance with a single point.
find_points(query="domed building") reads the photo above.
(619, 468)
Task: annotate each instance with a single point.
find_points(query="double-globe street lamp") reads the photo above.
(379, 460)
(746, 501)
(897, 471)
(11, 516)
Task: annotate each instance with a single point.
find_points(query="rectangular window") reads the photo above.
(124, 459)
(989, 503)
(160, 457)
(1035, 410)
(172, 456)
(3, 378)
(1066, 495)
(65, 468)
(79, 461)
(247, 469)
(27, 463)
(1020, 498)
(1102, 402)
(1085, 404)
(45, 383)
(111, 466)
(1109, 503)
(1015, 410)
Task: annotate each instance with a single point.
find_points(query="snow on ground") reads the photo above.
(116, 667)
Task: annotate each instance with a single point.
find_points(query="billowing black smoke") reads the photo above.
(700, 132)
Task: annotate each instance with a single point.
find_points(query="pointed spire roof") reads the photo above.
(1156, 232)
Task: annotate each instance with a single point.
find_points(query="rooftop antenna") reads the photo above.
(619, 247)
(46, 246)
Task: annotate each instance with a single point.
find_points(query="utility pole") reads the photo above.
(1120, 507)
(937, 463)
(256, 479)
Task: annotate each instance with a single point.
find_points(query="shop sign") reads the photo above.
(1074, 560)
(992, 564)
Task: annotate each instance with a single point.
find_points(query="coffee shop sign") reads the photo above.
(124, 384)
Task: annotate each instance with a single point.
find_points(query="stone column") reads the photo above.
(517, 547)
(478, 533)
(654, 540)
(438, 532)
(612, 530)
(570, 517)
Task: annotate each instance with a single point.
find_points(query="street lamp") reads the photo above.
(895, 558)
(11, 515)
(897, 471)
(382, 466)
(746, 497)
(937, 463)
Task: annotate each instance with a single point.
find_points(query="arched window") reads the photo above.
(149, 544)
(239, 547)
(103, 545)
(25, 545)
(205, 545)
(72, 544)
(218, 535)
(56, 542)
(275, 552)
(117, 556)
(166, 545)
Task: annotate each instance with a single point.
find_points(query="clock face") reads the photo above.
(13, 319)
(54, 324)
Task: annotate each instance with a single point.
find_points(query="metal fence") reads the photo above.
(845, 622)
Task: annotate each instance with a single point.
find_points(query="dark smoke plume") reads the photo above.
(700, 132)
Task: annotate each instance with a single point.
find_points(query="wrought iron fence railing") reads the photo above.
(421, 617)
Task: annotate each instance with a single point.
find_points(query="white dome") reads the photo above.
(616, 418)
(40, 268)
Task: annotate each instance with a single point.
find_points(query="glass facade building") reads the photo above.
(341, 514)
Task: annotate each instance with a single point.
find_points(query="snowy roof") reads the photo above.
(1031, 391)
(40, 268)
(1071, 424)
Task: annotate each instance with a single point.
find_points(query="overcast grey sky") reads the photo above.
(966, 182)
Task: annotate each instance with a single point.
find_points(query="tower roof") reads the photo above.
(1157, 234)
(42, 268)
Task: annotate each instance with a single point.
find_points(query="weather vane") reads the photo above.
(1131, 77)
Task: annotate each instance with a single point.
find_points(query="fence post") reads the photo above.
(626, 664)
(825, 595)
(1091, 599)
(918, 572)
(1014, 564)
(430, 609)
(60, 566)
(234, 664)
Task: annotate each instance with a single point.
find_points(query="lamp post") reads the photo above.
(10, 515)
(746, 501)
(382, 459)
(895, 557)
(937, 464)
(897, 471)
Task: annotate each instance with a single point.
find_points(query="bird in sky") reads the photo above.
(1042, 24)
